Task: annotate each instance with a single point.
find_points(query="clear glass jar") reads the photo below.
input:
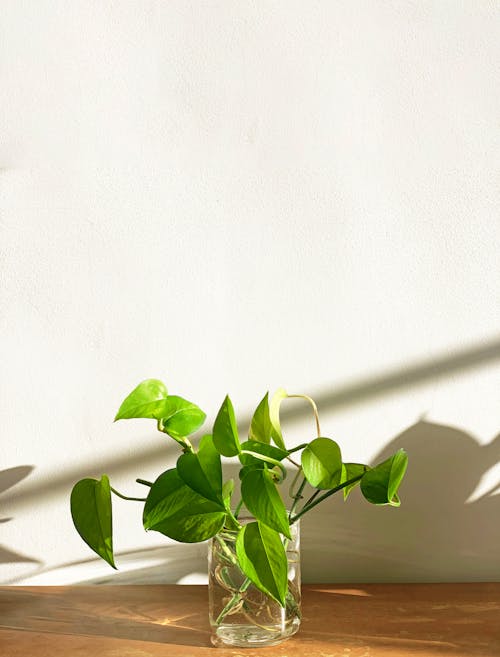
(240, 614)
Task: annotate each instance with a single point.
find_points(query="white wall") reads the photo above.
(233, 196)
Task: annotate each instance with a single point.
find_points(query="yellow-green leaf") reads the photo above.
(274, 415)
(261, 428)
(143, 401)
(380, 484)
(225, 431)
(322, 463)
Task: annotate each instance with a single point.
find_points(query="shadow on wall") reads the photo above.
(402, 378)
(436, 534)
(9, 478)
(434, 531)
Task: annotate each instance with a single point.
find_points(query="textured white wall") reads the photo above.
(233, 196)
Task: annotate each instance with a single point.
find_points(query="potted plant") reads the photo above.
(254, 550)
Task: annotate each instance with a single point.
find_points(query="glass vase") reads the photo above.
(240, 614)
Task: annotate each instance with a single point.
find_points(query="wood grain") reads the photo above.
(393, 620)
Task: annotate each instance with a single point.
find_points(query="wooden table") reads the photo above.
(338, 621)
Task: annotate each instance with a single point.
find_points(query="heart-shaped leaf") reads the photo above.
(179, 417)
(274, 415)
(349, 471)
(92, 515)
(261, 428)
(322, 463)
(262, 499)
(174, 509)
(202, 471)
(380, 484)
(244, 470)
(262, 558)
(225, 431)
(143, 401)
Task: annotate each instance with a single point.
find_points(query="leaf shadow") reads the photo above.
(436, 534)
(9, 478)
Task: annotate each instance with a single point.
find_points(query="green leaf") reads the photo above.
(260, 448)
(143, 400)
(177, 416)
(92, 516)
(262, 558)
(248, 468)
(202, 471)
(274, 415)
(225, 431)
(380, 484)
(262, 499)
(174, 509)
(261, 427)
(349, 471)
(180, 418)
(227, 492)
(322, 463)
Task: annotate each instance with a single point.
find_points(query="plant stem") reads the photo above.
(297, 465)
(292, 485)
(313, 497)
(296, 498)
(144, 482)
(296, 449)
(125, 497)
(267, 459)
(233, 602)
(227, 551)
(314, 407)
(312, 504)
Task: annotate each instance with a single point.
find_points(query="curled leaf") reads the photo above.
(274, 415)
(380, 484)
(350, 471)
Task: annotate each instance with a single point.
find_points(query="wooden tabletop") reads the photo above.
(393, 620)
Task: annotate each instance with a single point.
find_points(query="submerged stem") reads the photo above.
(232, 558)
(234, 601)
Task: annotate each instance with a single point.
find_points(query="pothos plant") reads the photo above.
(191, 503)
